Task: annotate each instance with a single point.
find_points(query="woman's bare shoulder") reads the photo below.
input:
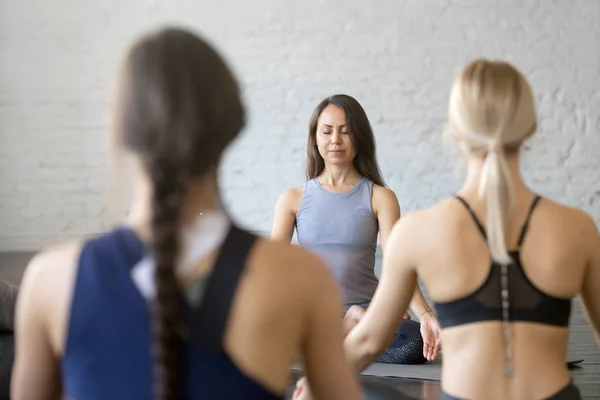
(291, 197)
(288, 263)
(53, 261)
(50, 273)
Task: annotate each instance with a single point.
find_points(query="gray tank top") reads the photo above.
(342, 229)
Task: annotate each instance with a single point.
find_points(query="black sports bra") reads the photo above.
(525, 302)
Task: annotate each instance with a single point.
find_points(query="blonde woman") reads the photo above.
(500, 263)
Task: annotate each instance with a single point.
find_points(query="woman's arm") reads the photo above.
(387, 211)
(285, 215)
(374, 333)
(591, 279)
(35, 372)
(328, 372)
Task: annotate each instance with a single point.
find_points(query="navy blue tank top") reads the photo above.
(109, 336)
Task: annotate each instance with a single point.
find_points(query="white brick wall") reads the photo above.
(398, 58)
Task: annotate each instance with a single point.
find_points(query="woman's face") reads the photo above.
(333, 138)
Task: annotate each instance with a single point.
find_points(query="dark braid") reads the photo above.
(180, 107)
(167, 203)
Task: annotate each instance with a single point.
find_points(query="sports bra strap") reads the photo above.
(468, 207)
(526, 224)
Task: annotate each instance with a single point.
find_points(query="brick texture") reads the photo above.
(398, 58)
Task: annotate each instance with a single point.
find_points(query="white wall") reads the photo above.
(398, 58)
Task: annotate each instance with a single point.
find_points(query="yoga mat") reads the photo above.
(431, 371)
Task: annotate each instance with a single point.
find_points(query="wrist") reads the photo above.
(425, 314)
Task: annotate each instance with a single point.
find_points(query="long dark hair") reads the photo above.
(180, 107)
(361, 135)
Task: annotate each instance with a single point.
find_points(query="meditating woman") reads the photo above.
(338, 214)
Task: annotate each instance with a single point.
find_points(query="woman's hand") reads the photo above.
(352, 317)
(355, 314)
(302, 391)
(430, 331)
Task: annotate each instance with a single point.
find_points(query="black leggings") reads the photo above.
(569, 392)
(407, 346)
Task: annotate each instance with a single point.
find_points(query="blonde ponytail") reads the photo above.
(495, 186)
(492, 112)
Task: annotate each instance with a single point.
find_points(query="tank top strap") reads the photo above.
(207, 320)
(310, 185)
(366, 188)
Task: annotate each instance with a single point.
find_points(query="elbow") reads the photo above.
(377, 346)
(368, 345)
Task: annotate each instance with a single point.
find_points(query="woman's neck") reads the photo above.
(202, 198)
(334, 175)
(470, 188)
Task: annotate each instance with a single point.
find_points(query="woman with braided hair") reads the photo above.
(178, 302)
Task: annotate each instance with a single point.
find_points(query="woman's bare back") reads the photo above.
(285, 307)
(453, 262)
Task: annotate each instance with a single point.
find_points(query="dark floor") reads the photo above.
(582, 345)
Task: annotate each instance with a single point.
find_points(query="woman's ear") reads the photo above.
(451, 133)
